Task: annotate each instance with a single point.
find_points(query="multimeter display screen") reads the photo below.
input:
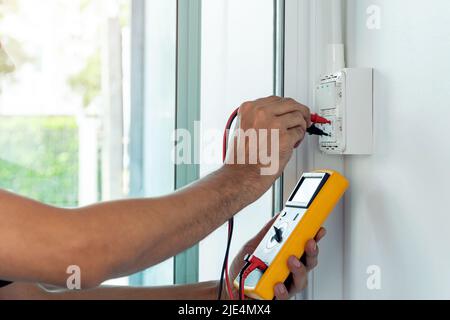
(307, 190)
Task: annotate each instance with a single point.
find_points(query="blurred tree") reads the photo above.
(15, 50)
(6, 65)
(8, 7)
(88, 81)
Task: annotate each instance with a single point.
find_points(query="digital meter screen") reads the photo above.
(306, 191)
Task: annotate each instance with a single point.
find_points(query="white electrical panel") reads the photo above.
(346, 99)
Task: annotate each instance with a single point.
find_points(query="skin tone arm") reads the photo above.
(202, 291)
(110, 240)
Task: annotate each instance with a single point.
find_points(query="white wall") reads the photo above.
(397, 214)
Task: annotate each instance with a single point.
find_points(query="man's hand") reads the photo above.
(256, 150)
(299, 269)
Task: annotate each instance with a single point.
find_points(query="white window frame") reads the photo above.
(306, 38)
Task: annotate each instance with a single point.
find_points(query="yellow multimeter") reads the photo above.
(312, 201)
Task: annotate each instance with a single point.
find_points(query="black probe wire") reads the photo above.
(242, 280)
(227, 255)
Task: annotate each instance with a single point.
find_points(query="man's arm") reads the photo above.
(38, 242)
(201, 291)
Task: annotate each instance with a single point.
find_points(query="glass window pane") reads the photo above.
(237, 65)
(159, 112)
(64, 109)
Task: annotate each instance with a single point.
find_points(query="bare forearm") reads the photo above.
(118, 238)
(141, 233)
(201, 291)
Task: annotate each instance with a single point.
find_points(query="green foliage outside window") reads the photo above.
(39, 158)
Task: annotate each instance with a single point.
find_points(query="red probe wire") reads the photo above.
(254, 262)
(315, 118)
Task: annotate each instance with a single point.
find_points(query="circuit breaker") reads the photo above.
(346, 99)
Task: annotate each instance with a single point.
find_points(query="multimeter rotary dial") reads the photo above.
(277, 235)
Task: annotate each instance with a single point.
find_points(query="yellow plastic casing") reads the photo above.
(308, 227)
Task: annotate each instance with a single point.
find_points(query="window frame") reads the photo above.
(137, 108)
(188, 103)
(306, 38)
